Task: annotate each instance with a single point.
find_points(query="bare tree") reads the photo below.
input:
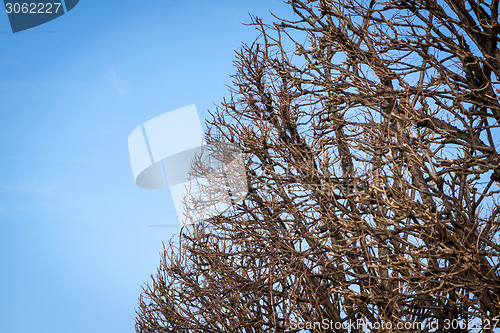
(369, 131)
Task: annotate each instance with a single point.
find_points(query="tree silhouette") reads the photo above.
(369, 131)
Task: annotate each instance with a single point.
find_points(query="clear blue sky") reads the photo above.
(75, 241)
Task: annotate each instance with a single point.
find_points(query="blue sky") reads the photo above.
(75, 241)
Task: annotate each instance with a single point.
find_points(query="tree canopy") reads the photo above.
(370, 133)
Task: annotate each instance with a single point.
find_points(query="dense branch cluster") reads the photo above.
(370, 136)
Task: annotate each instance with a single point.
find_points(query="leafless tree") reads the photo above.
(370, 136)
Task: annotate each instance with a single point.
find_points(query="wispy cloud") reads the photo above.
(117, 83)
(46, 190)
